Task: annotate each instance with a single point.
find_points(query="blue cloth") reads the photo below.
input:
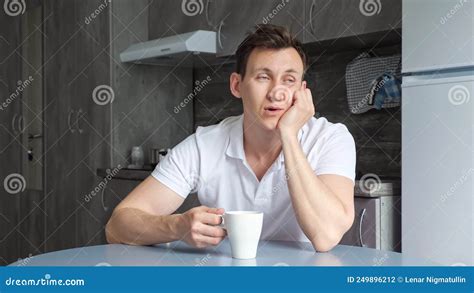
(387, 89)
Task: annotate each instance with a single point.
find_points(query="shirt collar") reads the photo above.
(235, 147)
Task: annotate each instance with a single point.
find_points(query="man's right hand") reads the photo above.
(199, 226)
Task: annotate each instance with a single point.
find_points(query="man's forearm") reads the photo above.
(319, 212)
(136, 227)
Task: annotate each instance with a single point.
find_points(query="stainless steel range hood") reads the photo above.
(173, 50)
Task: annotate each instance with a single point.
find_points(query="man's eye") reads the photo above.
(263, 77)
(289, 80)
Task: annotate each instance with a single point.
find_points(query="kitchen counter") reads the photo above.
(127, 174)
(270, 253)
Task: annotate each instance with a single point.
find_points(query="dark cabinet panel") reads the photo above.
(234, 19)
(170, 17)
(12, 182)
(333, 19)
(60, 71)
(288, 13)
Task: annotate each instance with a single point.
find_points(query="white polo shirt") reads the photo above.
(212, 163)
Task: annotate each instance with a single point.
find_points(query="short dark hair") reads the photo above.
(266, 36)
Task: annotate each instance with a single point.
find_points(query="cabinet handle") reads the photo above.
(219, 39)
(72, 130)
(361, 219)
(209, 22)
(15, 132)
(311, 26)
(20, 124)
(102, 199)
(79, 116)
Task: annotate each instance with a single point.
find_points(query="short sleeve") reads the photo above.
(179, 170)
(337, 155)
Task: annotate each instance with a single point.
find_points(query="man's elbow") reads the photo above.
(110, 233)
(332, 238)
(324, 245)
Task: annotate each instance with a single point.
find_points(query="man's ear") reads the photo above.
(235, 80)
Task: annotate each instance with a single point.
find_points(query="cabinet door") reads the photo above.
(10, 140)
(32, 205)
(92, 144)
(287, 13)
(59, 71)
(234, 20)
(332, 19)
(364, 230)
(171, 17)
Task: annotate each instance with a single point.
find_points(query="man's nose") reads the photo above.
(279, 93)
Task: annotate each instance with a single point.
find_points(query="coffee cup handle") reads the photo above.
(222, 224)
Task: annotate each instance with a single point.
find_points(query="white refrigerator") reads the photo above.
(438, 130)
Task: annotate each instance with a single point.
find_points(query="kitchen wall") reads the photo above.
(377, 133)
(145, 95)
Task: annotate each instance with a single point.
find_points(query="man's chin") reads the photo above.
(270, 124)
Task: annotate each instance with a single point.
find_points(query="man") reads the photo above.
(275, 158)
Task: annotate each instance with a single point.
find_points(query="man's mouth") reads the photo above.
(273, 109)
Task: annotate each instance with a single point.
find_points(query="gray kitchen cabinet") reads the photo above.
(13, 190)
(60, 144)
(31, 213)
(333, 19)
(92, 145)
(288, 13)
(10, 151)
(232, 27)
(171, 17)
(376, 223)
(76, 131)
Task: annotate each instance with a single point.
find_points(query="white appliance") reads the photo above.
(171, 48)
(437, 130)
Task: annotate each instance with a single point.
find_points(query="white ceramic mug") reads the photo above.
(243, 229)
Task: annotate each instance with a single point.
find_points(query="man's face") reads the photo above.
(271, 78)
